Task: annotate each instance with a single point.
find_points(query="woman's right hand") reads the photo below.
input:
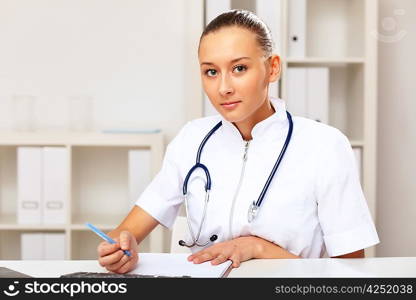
(112, 257)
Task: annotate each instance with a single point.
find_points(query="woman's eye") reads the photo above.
(240, 68)
(210, 72)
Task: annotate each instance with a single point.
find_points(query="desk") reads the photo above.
(323, 267)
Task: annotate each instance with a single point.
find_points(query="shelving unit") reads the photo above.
(97, 187)
(338, 36)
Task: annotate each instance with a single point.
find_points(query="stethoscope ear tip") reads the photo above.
(182, 243)
(213, 238)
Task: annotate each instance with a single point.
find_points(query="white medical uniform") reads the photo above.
(314, 202)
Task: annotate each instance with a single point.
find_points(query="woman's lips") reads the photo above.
(230, 105)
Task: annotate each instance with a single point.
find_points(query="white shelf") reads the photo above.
(104, 222)
(356, 143)
(78, 139)
(324, 61)
(9, 222)
(97, 181)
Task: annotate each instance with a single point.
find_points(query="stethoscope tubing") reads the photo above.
(254, 207)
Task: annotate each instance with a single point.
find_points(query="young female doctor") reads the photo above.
(256, 181)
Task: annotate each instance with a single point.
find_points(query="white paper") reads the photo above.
(176, 264)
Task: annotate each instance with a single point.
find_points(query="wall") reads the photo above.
(137, 59)
(396, 189)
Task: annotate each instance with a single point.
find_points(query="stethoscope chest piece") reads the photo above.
(252, 212)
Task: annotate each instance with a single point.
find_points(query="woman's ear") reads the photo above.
(275, 68)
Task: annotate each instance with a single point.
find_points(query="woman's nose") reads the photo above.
(225, 86)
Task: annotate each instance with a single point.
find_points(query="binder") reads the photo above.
(54, 246)
(42, 246)
(296, 92)
(297, 28)
(29, 185)
(270, 13)
(55, 190)
(358, 158)
(209, 110)
(317, 88)
(215, 7)
(139, 168)
(31, 246)
(308, 92)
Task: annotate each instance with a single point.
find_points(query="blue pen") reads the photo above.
(105, 237)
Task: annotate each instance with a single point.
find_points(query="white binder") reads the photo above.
(270, 13)
(139, 162)
(29, 185)
(308, 93)
(39, 246)
(297, 28)
(55, 190)
(214, 8)
(209, 110)
(296, 92)
(31, 246)
(358, 154)
(317, 87)
(54, 246)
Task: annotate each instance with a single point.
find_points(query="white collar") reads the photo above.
(270, 126)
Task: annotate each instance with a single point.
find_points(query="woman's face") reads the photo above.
(235, 70)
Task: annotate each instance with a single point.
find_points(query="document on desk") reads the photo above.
(177, 265)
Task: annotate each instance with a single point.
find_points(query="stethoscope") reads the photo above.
(254, 207)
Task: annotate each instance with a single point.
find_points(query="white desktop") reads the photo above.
(322, 267)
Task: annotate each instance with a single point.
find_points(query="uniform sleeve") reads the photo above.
(162, 198)
(342, 209)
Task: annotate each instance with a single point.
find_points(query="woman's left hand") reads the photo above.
(237, 250)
